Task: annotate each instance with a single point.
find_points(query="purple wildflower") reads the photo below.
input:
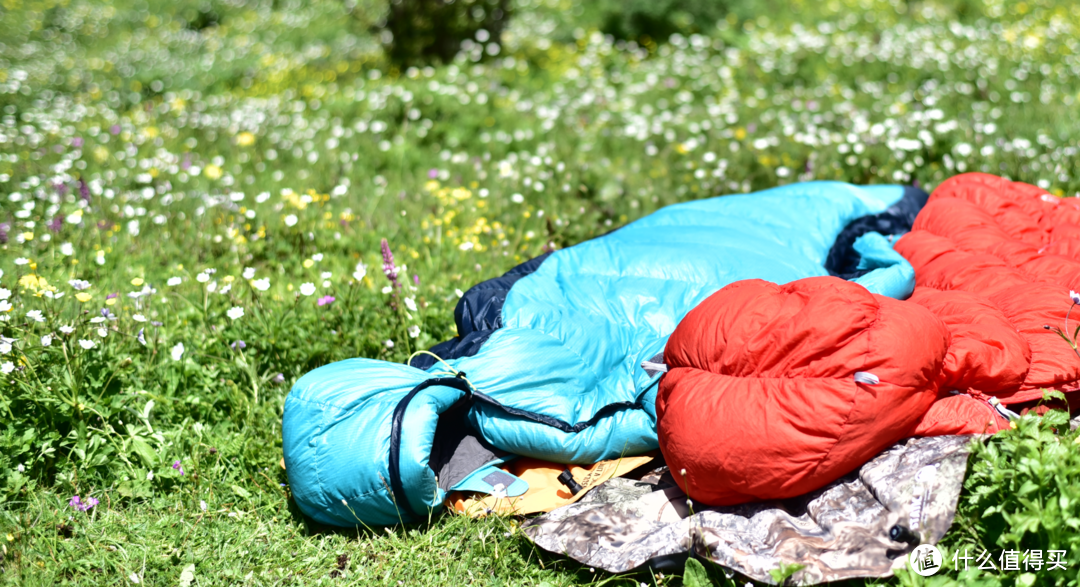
(108, 313)
(186, 163)
(238, 345)
(115, 129)
(57, 223)
(176, 465)
(279, 378)
(326, 300)
(61, 189)
(155, 323)
(84, 190)
(389, 268)
(140, 337)
(416, 279)
(111, 296)
(77, 142)
(432, 173)
(81, 505)
(3, 233)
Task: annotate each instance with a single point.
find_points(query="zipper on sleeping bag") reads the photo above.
(459, 382)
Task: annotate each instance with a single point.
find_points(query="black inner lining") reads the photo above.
(458, 450)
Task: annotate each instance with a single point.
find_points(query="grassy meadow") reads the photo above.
(193, 197)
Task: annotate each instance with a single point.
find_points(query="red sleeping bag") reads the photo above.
(773, 391)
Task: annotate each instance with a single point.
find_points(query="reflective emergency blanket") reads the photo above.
(860, 526)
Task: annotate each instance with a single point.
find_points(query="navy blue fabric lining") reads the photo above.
(479, 312)
(843, 259)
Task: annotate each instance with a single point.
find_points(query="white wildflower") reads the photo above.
(102, 332)
(387, 289)
(67, 250)
(202, 277)
(177, 351)
(22, 261)
(138, 318)
(389, 344)
(4, 293)
(290, 220)
(307, 288)
(86, 344)
(46, 340)
(261, 284)
(249, 272)
(317, 257)
(414, 331)
(410, 303)
(7, 367)
(235, 312)
(359, 272)
(67, 329)
(79, 284)
(35, 315)
(174, 281)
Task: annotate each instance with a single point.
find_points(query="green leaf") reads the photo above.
(244, 493)
(781, 575)
(694, 574)
(144, 451)
(1049, 394)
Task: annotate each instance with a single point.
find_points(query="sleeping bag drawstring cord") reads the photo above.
(449, 370)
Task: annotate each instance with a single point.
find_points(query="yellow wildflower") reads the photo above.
(29, 281)
(245, 139)
(212, 171)
(83, 297)
(137, 281)
(308, 263)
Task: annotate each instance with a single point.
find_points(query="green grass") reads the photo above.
(279, 140)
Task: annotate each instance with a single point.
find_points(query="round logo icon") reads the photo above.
(925, 560)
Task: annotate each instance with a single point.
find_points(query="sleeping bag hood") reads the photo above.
(548, 361)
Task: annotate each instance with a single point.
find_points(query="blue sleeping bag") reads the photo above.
(549, 356)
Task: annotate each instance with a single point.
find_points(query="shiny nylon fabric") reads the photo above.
(576, 330)
(761, 401)
(561, 377)
(996, 260)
